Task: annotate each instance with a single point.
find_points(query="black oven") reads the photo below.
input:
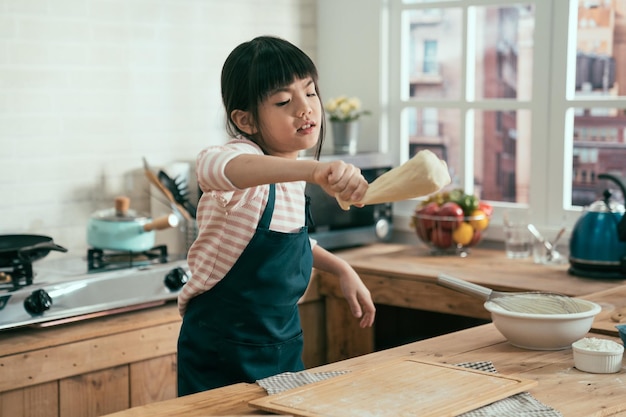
(335, 228)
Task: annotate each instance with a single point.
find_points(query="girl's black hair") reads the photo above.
(258, 67)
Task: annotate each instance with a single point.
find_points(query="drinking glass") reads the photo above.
(517, 240)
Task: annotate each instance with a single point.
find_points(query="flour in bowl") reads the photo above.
(599, 345)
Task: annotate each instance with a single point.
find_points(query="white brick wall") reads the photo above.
(89, 87)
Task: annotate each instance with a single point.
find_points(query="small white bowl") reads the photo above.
(598, 356)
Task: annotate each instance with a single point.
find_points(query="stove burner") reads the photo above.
(63, 290)
(100, 260)
(16, 276)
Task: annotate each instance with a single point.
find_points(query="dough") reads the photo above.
(421, 175)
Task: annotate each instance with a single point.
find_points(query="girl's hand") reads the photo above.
(342, 180)
(356, 293)
(358, 297)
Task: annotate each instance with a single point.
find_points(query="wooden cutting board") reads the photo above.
(611, 300)
(402, 387)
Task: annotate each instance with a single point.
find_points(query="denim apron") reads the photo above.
(247, 326)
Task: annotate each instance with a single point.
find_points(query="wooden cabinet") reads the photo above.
(103, 365)
(90, 368)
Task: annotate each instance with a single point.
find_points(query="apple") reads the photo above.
(455, 215)
(442, 238)
(478, 235)
(485, 208)
(423, 233)
(429, 209)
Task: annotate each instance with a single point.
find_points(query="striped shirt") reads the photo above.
(227, 216)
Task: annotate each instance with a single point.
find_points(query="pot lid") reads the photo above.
(119, 213)
(607, 204)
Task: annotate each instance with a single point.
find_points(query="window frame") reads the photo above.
(552, 122)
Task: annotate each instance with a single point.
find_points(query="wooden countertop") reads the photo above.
(406, 276)
(561, 386)
(488, 267)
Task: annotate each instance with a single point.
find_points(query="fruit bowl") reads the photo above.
(450, 235)
(451, 222)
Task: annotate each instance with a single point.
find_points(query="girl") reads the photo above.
(253, 258)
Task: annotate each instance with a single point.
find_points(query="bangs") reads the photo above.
(278, 65)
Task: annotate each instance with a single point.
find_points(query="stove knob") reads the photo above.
(176, 278)
(38, 302)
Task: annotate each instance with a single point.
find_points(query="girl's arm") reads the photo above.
(337, 178)
(357, 295)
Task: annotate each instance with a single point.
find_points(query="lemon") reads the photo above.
(463, 234)
(481, 220)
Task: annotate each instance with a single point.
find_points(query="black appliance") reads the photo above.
(335, 228)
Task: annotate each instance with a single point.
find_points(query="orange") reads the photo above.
(463, 234)
(481, 222)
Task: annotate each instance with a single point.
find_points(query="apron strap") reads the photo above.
(266, 218)
(310, 222)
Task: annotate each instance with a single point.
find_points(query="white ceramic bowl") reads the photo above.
(543, 331)
(598, 356)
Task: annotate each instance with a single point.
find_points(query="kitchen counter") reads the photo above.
(488, 267)
(560, 385)
(108, 364)
(405, 276)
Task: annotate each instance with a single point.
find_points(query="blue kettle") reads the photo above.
(598, 240)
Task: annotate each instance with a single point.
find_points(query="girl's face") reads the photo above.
(290, 119)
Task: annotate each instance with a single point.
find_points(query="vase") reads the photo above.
(345, 135)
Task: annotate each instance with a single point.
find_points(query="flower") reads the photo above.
(344, 109)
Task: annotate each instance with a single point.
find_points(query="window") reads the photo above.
(526, 100)
(430, 57)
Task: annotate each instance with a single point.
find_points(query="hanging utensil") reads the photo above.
(178, 189)
(154, 180)
(520, 302)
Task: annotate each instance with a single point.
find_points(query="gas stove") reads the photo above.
(73, 288)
